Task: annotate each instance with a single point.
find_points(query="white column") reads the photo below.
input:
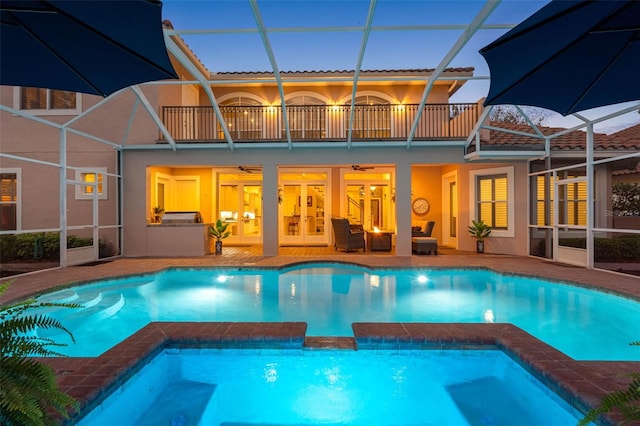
(590, 215)
(270, 210)
(63, 197)
(403, 209)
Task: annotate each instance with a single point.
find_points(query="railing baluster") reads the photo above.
(321, 122)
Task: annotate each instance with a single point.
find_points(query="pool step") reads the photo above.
(85, 301)
(92, 302)
(180, 403)
(98, 308)
(101, 306)
(63, 296)
(111, 310)
(329, 342)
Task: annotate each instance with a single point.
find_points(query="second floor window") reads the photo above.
(48, 101)
(307, 117)
(243, 117)
(372, 118)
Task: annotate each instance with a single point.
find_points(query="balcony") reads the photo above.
(320, 123)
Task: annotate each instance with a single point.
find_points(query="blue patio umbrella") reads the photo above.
(95, 47)
(568, 57)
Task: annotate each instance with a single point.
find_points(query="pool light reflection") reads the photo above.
(271, 373)
(374, 280)
(488, 316)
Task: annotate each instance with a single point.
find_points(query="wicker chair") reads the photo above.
(423, 242)
(346, 238)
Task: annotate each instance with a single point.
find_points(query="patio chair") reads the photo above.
(418, 231)
(421, 241)
(346, 238)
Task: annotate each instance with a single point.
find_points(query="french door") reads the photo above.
(303, 209)
(367, 197)
(240, 205)
(450, 210)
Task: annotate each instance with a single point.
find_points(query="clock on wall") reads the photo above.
(420, 206)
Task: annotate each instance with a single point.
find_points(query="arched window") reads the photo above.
(243, 117)
(307, 118)
(372, 118)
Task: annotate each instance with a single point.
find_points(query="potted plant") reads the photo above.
(157, 214)
(219, 232)
(480, 231)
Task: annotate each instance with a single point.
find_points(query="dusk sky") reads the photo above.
(231, 49)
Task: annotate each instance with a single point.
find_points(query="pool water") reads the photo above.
(251, 387)
(584, 324)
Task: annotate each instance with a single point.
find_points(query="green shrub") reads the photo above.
(622, 249)
(619, 249)
(23, 247)
(7, 247)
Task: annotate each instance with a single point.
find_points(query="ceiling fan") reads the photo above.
(359, 168)
(248, 169)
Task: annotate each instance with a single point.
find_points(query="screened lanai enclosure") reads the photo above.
(85, 178)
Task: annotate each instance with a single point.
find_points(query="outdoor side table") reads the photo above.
(379, 241)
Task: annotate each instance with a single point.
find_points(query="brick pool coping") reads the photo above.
(580, 383)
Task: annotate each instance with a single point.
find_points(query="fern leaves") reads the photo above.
(29, 394)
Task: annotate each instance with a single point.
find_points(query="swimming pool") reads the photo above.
(584, 324)
(251, 387)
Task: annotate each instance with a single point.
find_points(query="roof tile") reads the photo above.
(627, 139)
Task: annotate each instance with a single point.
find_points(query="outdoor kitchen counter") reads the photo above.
(178, 239)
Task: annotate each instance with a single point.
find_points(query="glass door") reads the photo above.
(251, 212)
(450, 209)
(240, 205)
(303, 208)
(367, 197)
(369, 205)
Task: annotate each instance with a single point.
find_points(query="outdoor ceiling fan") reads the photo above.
(359, 168)
(248, 169)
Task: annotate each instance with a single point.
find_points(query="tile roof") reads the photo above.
(349, 72)
(628, 135)
(627, 139)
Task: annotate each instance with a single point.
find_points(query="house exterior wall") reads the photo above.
(39, 201)
(113, 121)
(334, 94)
(425, 181)
(517, 244)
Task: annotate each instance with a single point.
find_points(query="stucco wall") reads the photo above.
(494, 244)
(336, 93)
(426, 183)
(136, 163)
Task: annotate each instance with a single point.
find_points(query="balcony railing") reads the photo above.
(320, 123)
